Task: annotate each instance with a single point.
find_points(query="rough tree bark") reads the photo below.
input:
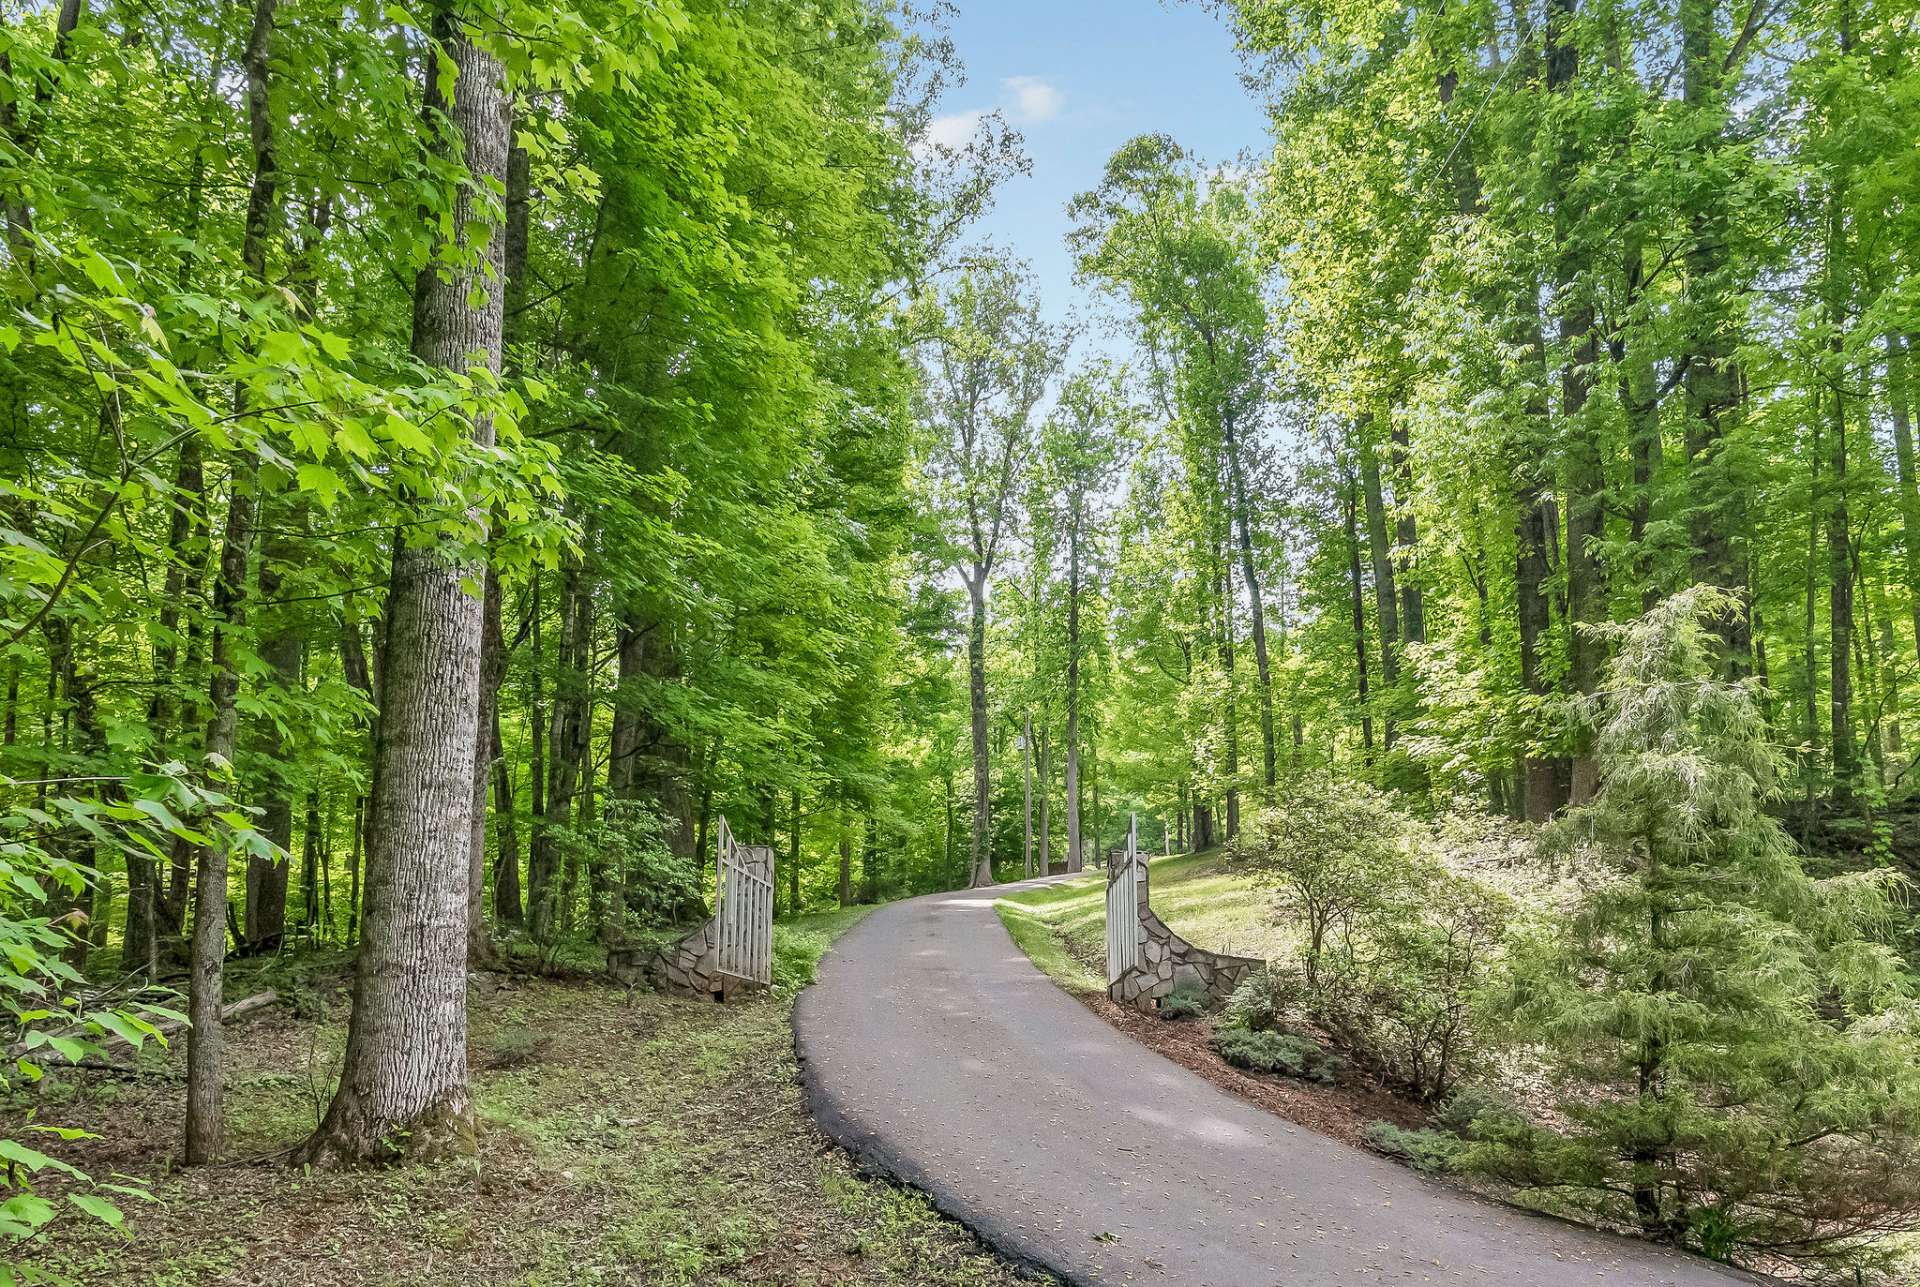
(204, 1124)
(1237, 482)
(981, 865)
(1899, 403)
(1585, 469)
(1348, 512)
(403, 1087)
(1386, 597)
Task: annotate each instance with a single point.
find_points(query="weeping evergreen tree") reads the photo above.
(1729, 1039)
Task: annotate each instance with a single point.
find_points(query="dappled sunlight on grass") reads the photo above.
(1194, 894)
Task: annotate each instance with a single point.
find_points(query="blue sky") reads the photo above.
(1079, 77)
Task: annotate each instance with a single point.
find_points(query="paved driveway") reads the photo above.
(938, 1055)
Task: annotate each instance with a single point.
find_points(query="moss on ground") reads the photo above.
(628, 1138)
(1062, 927)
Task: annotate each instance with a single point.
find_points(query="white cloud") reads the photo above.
(954, 131)
(1034, 100)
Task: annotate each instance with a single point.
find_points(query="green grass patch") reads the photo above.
(800, 941)
(1047, 949)
(1063, 926)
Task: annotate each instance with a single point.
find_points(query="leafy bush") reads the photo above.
(1402, 990)
(638, 882)
(42, 889)
(1474, 1108)
(1285, 1053)
(1397, 949)
(1433, 1152)
(1183, 1003)
(1265, 999)
(1334, 852)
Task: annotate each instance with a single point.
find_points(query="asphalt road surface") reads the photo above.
(937, 1054)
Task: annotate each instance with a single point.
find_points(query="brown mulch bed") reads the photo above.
(1342, 1111)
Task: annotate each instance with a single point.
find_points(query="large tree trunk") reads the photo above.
(982, 852)
(1713, 375)
(493, 669)
(204, 1124)
(1358, 604)
(1249, 573)
(1585, 469)
(403, 1086)
(1385, 596)
(1900, 405)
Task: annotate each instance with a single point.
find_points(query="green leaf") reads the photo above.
(99, 1208)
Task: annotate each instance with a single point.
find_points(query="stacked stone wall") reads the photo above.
(1168, 963)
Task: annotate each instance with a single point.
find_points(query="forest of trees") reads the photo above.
(452, 456)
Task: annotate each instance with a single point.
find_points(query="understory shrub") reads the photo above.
(1397, 948)
(1429, 1151)
(1183, 1003)
(1285, 1053)
(638, 882)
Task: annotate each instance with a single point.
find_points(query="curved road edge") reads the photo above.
(879, 1158)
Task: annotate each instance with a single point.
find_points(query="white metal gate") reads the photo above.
(743, 909)
(1123, 907)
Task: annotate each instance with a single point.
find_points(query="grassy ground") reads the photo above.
(631, 1139)
(1063, 927)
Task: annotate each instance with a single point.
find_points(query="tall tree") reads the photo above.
(403, 1085)
(987, 365)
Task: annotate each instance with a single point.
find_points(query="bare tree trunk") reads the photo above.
(1026, 779)
(982, 853)
(1900, 404)
(1236, 476)
(1385, 596)
(506, 858)
(493, 669)
(565, 748)
(204, 1124)
(403, 1086)
(1358, 603)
